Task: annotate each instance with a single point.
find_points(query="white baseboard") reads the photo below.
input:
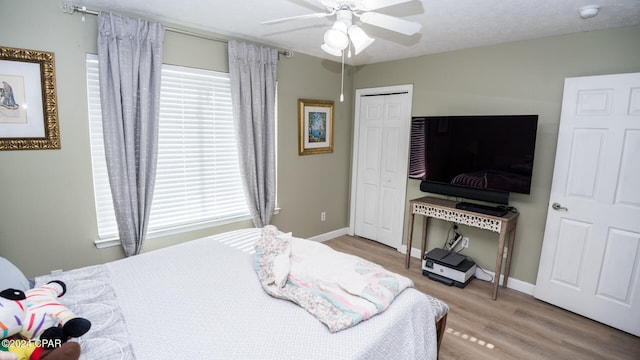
(332, 235)
(515, 284)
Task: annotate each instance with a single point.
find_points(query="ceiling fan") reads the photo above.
(344, 31)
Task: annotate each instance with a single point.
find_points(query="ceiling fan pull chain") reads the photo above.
(342, 80)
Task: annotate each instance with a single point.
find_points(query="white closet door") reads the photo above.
(381, 155)
(590, 260)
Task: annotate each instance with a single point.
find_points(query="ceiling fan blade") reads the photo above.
(330, 4)
(368, 5)
(390, 23)
(307, 16)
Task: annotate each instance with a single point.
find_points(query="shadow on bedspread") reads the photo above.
(89, 293)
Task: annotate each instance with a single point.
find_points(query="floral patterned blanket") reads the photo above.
(339, 289)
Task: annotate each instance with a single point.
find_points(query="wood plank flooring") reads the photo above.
(515, 326)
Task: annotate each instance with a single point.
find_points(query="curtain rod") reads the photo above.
(70, 9)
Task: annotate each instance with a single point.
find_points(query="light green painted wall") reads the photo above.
(518, 78)
(47, 214)
(310, 184)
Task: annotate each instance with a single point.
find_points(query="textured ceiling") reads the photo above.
(446, 24)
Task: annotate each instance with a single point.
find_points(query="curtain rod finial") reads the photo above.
(286, 53)
(68, 7)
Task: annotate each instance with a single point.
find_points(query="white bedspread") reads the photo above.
(202, 299)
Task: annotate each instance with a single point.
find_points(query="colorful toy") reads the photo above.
(35, 325)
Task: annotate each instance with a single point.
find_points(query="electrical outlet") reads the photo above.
(323, 216)
(504, 254)
(465, 242)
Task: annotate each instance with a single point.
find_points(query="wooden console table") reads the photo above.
(443, 209)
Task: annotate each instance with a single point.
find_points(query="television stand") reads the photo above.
(482, 209)
(436, 208)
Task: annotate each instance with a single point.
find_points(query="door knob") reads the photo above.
(558, 207)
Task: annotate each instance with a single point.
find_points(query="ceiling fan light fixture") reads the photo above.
(336, 37)
(359, 38)
(329, 50)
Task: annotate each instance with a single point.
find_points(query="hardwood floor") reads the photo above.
(515, 326)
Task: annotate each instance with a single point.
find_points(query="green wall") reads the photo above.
(47, 211)
(523, 77)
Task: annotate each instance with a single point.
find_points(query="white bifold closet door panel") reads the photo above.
(381, 159)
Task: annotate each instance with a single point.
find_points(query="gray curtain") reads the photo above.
(253, 87)
(130, 56)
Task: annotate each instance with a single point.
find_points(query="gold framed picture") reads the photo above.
(28, 103)
(315, 126)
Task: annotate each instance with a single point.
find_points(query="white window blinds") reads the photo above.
(198, 176)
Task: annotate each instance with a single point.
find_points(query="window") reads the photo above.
(198, 175)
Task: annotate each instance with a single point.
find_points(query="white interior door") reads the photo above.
(591, 250)
(381, 157)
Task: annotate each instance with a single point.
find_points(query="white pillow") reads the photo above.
(281, 267)
(281, 264)
(12, 277)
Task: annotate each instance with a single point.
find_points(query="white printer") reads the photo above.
(448, 267)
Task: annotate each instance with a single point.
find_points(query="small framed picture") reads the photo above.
(315, 124)
(28, 104)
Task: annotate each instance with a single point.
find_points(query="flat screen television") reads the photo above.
(473, 157)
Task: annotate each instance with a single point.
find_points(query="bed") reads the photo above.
(202, 299)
